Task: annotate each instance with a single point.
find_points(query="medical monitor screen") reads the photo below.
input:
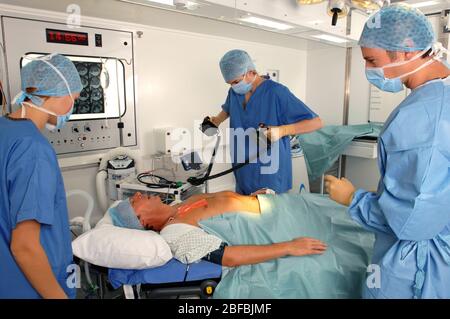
(91, 100)
(103, 80)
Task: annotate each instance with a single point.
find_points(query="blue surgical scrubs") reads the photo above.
(410, 213)
(31, 188)
(273, 105)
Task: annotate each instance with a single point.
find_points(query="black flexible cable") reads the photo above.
(162, 182)
(197, 181)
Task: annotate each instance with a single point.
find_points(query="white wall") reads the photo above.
(325, 93)
(325, 83)
(359, 90)
(179, 81)
(114, 10)
(361, 171)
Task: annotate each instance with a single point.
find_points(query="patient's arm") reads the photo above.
(247, 255)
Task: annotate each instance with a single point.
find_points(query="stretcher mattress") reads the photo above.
(172, 272)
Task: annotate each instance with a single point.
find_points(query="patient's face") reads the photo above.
(148, 211)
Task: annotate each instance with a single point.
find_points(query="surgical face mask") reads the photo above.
(61, 120)
(376, 75)
(243, 87)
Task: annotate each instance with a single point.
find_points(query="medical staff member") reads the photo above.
(35, 240)
(253, 100)
(410, 212)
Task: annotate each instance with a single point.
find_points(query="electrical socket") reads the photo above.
(274, 75)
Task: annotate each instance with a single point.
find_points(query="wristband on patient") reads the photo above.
(216, 256)
(183, 210)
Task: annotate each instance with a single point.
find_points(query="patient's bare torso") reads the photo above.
(217, 204)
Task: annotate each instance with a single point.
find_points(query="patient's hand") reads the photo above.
(306, 246)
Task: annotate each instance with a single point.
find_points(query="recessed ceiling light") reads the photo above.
(166, 2)
(189, 4)
(425, 4)
(267, 23)
(330, 38)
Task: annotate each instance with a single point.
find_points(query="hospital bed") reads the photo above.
(338, 273)
(172, 280)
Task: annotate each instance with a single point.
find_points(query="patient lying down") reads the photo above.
(179, 225)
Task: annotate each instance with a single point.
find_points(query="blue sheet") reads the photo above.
(323, 147)
(172, 272)
(339, 273)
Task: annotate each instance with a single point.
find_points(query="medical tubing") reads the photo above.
(196, 181)
(101, 189)
(89, 209)
(86, 223)
(213, 156)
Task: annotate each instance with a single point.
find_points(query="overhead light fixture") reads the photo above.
(179, 4)
(330, 38)
(166, 2)
(337, 9)
(340, 8)
(368, 5)
(309, 1)
(425, 4)
(267, 23)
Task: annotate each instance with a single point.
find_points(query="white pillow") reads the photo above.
(114, 247)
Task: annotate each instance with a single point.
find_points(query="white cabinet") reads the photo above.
(364, 149)
(300, 179)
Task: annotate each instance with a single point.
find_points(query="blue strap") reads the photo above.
(422, 254)
(408, 249)
(443, 246)
(22, 96)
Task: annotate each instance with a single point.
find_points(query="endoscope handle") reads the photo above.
(262, 137)
(195, 181)
(208, 127)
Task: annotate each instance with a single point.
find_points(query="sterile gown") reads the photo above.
(31, 188)
(273, 105)
(410, 213)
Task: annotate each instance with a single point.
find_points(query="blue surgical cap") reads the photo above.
(398, 27)
(123, 215)
(38, 74)
(235, 63)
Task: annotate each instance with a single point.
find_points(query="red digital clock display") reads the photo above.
(67, 37)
